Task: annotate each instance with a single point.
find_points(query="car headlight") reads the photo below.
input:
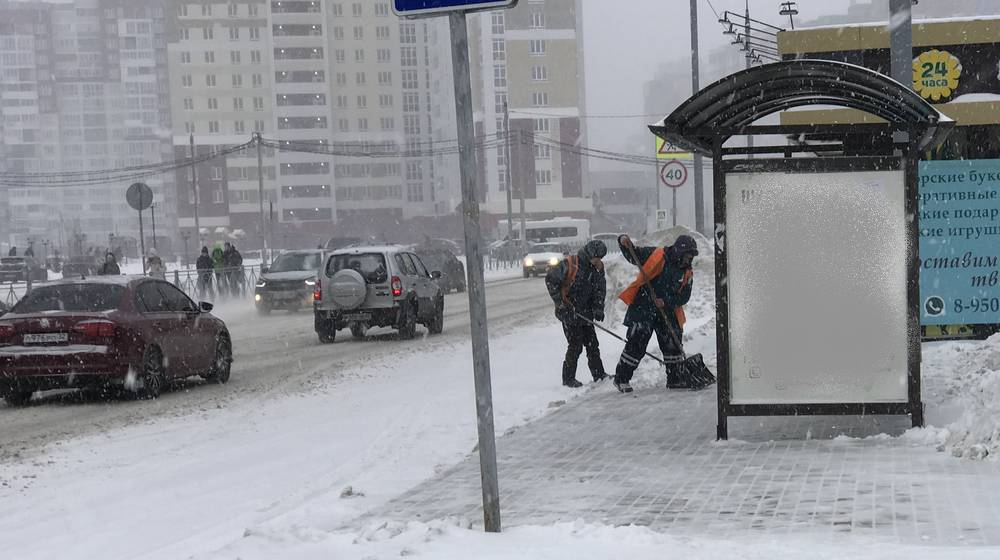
(529, 262)
(310, 283)
(261, 284)
(553, 262)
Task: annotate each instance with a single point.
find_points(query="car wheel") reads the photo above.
(152, 374)
(18, 397)
(358, 330)
(436, 325)
(222, 361)
(325, 330)
(407, 321)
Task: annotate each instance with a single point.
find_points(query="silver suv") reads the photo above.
(384, 286)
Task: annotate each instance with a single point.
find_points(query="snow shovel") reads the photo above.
(692, 367)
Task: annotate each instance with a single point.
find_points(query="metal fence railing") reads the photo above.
(228, 283)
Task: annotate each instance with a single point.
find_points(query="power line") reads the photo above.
(650, 115)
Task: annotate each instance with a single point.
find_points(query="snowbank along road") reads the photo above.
(273, 355)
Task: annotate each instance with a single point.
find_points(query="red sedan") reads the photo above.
(113, 330)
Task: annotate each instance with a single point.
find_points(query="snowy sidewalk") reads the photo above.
(651, 460)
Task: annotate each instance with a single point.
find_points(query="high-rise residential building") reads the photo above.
(222, 92)
(84, 89)
(530, 59)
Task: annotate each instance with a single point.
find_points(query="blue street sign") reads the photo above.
(959, 253)
(431, 7)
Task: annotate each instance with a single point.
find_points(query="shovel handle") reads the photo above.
(614, 334)
(652, 296)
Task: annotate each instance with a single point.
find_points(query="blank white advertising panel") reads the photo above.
(817, 287)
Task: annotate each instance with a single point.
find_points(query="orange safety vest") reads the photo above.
(572, 266)
(652, 268)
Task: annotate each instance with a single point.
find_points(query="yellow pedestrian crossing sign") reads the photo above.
(666, 150)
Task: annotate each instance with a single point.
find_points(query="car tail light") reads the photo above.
(6, 331)
(95, 329)
(397, 286)
(317, 292)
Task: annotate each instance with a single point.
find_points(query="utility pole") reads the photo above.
(260, 195)
(699, 183)
(746, 31)
(520, 191)
(901, 41)
(474, 264)
(510, 210)
(197, 196)
(152, 211)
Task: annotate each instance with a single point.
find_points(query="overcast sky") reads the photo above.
(626, 40)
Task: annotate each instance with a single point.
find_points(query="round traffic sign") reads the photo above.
(673, 174)
(139, 196)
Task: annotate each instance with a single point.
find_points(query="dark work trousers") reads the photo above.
(637, 340)
(581, 335)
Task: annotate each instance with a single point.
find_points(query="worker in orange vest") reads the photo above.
(668, 271)
(577, 287)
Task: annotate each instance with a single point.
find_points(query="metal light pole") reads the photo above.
(197, 195)
(901, 41)
(746, 31)
(510, 183)
(474, 264)
(260, 195)
(152, 211)
(699, 182)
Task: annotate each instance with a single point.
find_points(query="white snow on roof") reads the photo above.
(915, 22)
(976, 97)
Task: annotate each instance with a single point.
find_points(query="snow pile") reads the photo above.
(974, 384)
(453, 539)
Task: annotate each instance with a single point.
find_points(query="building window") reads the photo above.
(234, 33)
(410, 80)
(188, 104)
(497, 20)
(258, 103)
(213, 104)
(362, 125)
(258, 126)
(340, 55)
(499, 49)
(385, 55)
(356, 8)
(499, 103)
(344, 125)
(233, 10)
(239, 127)
(414, 171)
(341, 101)
(359, 78)
(337, 10)
(414, 192)
(382, 32)
(255, 57)
(411, 124)
(381, 9)
(255, 34)
(218, 196)
(210, 80)
(185, 34)
(408, 56)
(362, 101)
(388, 123)
(543, 177)
(213, 127)
(407, 33)
(207, 33)
(338, 33)
(234, 57)
(258, 80)
(186, 80)
(536, 47)
(252, 9)
(359, 33)
(411, 102)
(359, 55)
(541, 125)
(543, 151)
(385, 100)
(538, 20)
(385, 78)
(206, 9)
(500, 76)
(237, 104)
(539, 73)
(209, 57)
(185, 57)
(237, 80)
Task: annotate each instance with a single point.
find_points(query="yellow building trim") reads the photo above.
(858, 37)
(964, 114)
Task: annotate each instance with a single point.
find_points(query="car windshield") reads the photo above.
(547, 248)
(88, 298)
(433, 259)
(370, 265)
(292, 262)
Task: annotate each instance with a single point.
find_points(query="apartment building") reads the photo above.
(530, 59)
(83, 88)
(222, 92)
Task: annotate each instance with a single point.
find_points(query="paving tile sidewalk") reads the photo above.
(651, 459)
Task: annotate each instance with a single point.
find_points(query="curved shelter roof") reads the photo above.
(735, 102)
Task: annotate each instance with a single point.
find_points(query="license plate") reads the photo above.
(284, 295)
(356, 317)
(45, 338)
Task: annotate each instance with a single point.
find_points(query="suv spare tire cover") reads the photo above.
(348, 289)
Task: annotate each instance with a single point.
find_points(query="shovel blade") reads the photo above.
(694, 370)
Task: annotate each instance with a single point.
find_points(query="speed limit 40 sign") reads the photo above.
(673, 174)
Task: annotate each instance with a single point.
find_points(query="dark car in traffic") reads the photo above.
(82, 265)
(452, 270)
(20, 269)
(289, 282)
(133, 332)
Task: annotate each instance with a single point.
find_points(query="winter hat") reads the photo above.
(594, 249)
(204, 250)
(685, 244)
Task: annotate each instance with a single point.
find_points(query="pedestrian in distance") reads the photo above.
(30, 251)
(577, 287)
(110, 266)
(206, 269)
(155, 266)
(218, 266)
(668, 271)
(232, 262)
(12, 252)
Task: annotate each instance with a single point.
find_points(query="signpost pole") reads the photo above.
(477, 294)
(510, 211)
(699, 182)
(152, 212)
(901, 42)
(142, 245)
(673, 195)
